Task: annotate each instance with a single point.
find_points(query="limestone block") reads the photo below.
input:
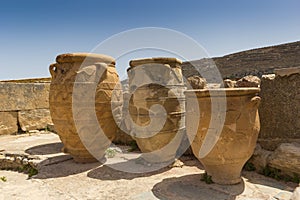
(287, 71)
(260, 158)
(279, 110)
(51, 128)
(8, 123)
(269, 77)
(34, 119)
(23, 96)
(248, 81)
(286, 158)
(296, 194)
(196, 82)
(229, 83)
(272, 143)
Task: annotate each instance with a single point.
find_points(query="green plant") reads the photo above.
(32, 172)
(249, 166)
(276, 174)
(3, 178)
(28, 132)
(28, 169)
(47, 129)
(296, 178)
(272, 172)
(133, 146)
(110, 153)
(206, 178)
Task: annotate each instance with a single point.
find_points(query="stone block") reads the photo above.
(287, 71)
(248, 81)
(272, 143)
(286, 158)
(196, 82)
(8, 123)
(296, 194)
(229, 83)
(279, 109)
(51, 128)
(23, 96)
(260, 158)
(34, 119)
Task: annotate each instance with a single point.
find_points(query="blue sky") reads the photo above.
(33, 32)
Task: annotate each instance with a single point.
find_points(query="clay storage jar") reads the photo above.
(85, 95)
(238, 135)
(157, 82)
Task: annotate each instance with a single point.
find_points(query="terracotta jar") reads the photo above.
(85, 103)
(157, 107)
(223, 149)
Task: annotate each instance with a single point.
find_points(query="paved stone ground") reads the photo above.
(60, 178)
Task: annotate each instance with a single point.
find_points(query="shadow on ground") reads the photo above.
(62, 166)
(259, 179)
(45, 149)
(191, 161)
(191, 187)
(125, 170)
(57, 164)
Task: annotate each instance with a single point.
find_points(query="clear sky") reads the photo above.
(33, 32)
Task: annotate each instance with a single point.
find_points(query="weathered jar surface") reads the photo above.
(223, 150)
(157, 107)
(85, 95)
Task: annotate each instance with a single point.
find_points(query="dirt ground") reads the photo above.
(59, 177)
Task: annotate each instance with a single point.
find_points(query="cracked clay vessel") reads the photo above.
(223, 149)
(85, 97)
(157, 87)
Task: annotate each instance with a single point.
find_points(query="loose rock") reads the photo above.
(296, 194)
(34, 119)
(229, 83)
(8, 123)
(286, 158)
(196, 82)
(248, 81)
(260, 158)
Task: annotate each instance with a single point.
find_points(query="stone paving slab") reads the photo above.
(60, 177)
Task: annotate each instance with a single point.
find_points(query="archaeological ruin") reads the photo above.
(166, 110)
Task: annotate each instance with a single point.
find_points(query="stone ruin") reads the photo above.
(279, 138)
(25, 107)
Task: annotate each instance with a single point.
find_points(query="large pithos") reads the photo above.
(157, 107)
(85, 103)
(223, 149)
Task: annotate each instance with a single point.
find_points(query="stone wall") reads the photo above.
(278, 149)
(24, 105)
(280, 108)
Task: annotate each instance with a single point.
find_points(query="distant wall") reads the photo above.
(24, 105)
(280, 108)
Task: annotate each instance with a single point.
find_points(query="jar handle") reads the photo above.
(255, 101)
(53, 69)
